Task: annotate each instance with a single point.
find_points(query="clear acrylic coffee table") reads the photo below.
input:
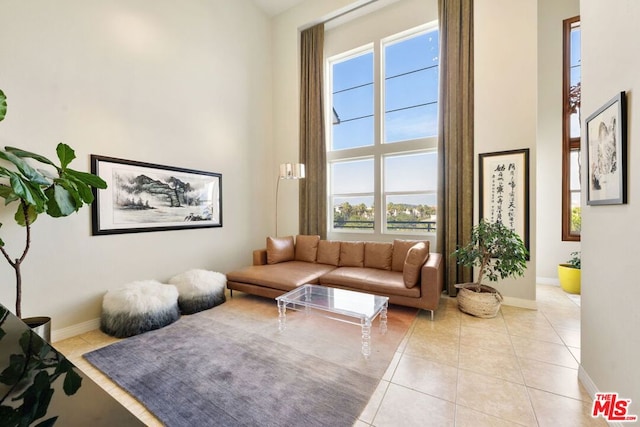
(353, 307)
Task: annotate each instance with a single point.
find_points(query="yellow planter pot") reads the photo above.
(569, 278)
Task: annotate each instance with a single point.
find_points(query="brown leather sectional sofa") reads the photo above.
(404, 270)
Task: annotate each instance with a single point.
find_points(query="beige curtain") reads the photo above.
(313, 189)
(455, 141)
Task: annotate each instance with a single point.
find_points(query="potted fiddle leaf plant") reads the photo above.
(498, 252)
(57, 191)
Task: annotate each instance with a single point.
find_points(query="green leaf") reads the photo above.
(7, 193)
(65, 154)
(87, 178)
(25, 169)
(20, 188)
(80, 187)
(29, 193)
(32, 214)
(85, 192)
(23, 153)
(3, 105)
(60, 202)
(72, 188)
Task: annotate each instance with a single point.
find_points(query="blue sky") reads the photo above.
(410, 93)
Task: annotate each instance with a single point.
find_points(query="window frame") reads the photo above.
(380, 149)
(569, 144)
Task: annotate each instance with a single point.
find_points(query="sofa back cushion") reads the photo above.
(400, 249)
(328, 252)
(306, 248)
(378, 255)
(351, 254)
(280, 249)
(416, 257)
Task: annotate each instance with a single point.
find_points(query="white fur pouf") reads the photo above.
(139, 307)
(199, 290)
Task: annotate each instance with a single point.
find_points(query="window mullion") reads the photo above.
(378, 78)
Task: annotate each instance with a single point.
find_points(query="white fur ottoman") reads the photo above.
(199, 290)
(139, 307)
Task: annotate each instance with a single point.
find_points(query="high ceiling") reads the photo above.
(274, 7)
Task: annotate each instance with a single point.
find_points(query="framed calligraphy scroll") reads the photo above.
(504, 190)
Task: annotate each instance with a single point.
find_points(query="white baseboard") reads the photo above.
(548, 281)
(591, 388)
(586, 381)
(521, 303)
(72, 331)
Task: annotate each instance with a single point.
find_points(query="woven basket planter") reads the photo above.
(484, 304)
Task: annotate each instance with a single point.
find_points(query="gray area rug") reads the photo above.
(229, 366)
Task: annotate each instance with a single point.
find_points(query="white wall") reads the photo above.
(610, 290)
(286, 109)
(505, 104)
(154, 81)
(553, 251)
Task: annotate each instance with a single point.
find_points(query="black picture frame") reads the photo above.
(504, 190)
(606, 143)
(143, 197)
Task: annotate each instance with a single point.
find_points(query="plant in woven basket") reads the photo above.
(496, 250)
(499, 253)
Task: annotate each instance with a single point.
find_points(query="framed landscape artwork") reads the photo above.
(504, 190)
(607, 152)
(149, 197)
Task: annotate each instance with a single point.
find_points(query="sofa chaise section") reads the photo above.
(272, 280)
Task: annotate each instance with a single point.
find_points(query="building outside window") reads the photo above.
(382, 147)
(571, 159)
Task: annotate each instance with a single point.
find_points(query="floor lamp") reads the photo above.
(287, 171)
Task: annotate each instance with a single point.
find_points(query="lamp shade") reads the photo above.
(291, 171)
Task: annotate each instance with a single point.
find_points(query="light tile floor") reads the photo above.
(520, 368)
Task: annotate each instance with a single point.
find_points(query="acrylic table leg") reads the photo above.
(282, 316)
(307, 298)
(366, 337)
(383, 319)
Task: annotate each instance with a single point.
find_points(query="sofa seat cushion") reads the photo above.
(284, 276)
(373, 280)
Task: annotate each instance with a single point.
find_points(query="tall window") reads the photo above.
(383, 140)
(571, 167)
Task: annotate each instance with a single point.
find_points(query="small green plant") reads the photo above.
(574, 261)
(57, 192)
(496, 250)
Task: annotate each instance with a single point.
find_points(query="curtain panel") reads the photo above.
(313, 189)
(455, 137)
